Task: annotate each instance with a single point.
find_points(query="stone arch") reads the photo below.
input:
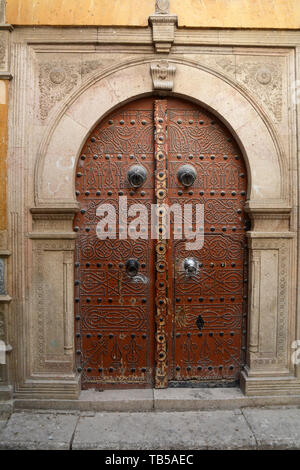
(55, 170)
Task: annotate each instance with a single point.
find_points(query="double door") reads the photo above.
(161, 255)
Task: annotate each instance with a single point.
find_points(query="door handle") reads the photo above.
(132, 267)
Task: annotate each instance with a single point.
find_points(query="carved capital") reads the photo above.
(163, 74)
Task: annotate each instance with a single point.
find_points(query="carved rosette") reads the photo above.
(163, 74)
(264, 80)
(56, 80)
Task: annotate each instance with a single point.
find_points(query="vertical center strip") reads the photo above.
(161, 293)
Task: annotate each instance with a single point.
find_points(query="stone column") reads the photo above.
(271, 317)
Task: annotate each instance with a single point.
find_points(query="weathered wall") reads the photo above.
(191, 13)
(3, 151)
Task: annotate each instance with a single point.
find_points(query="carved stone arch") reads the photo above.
(271, 243)
(54, 176)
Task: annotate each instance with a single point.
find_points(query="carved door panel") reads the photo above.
(164, 324)
(210, 305)
(114, 312)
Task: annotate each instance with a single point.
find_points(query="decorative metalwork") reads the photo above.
(151, 311)
(114, 311)
(186, 175)
(137, 176)
(132, 267)
(209, 334)
(190, 266)
(162, 277)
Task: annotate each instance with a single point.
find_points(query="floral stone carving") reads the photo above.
(265, 80)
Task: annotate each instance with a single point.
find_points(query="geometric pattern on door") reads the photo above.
(162, 327)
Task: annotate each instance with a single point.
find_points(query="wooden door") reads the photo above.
(163, 325)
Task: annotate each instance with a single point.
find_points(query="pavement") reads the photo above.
(240, 428)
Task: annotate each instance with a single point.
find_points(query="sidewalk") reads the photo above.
(247, 428)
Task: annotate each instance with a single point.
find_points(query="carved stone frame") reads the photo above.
(41, 226)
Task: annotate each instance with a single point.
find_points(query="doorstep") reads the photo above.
(170, 399)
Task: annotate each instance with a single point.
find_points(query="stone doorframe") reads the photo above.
(45, 348)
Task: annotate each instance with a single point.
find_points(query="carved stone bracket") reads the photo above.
(163, 26)
(163, 74)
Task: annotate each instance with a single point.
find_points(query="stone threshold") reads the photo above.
(171, 399)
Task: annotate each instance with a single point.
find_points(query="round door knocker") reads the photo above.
(186, 175)
(132, 267)
(190, 266)
(137, 176)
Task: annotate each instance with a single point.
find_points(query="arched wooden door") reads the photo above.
(150, 312)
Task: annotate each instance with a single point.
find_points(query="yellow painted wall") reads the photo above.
(238, 13)
(79, 12)
(3, 150)
(191, 13)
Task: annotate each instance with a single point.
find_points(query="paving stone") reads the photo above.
(277, 428)
(163, 430)
(38, 431)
